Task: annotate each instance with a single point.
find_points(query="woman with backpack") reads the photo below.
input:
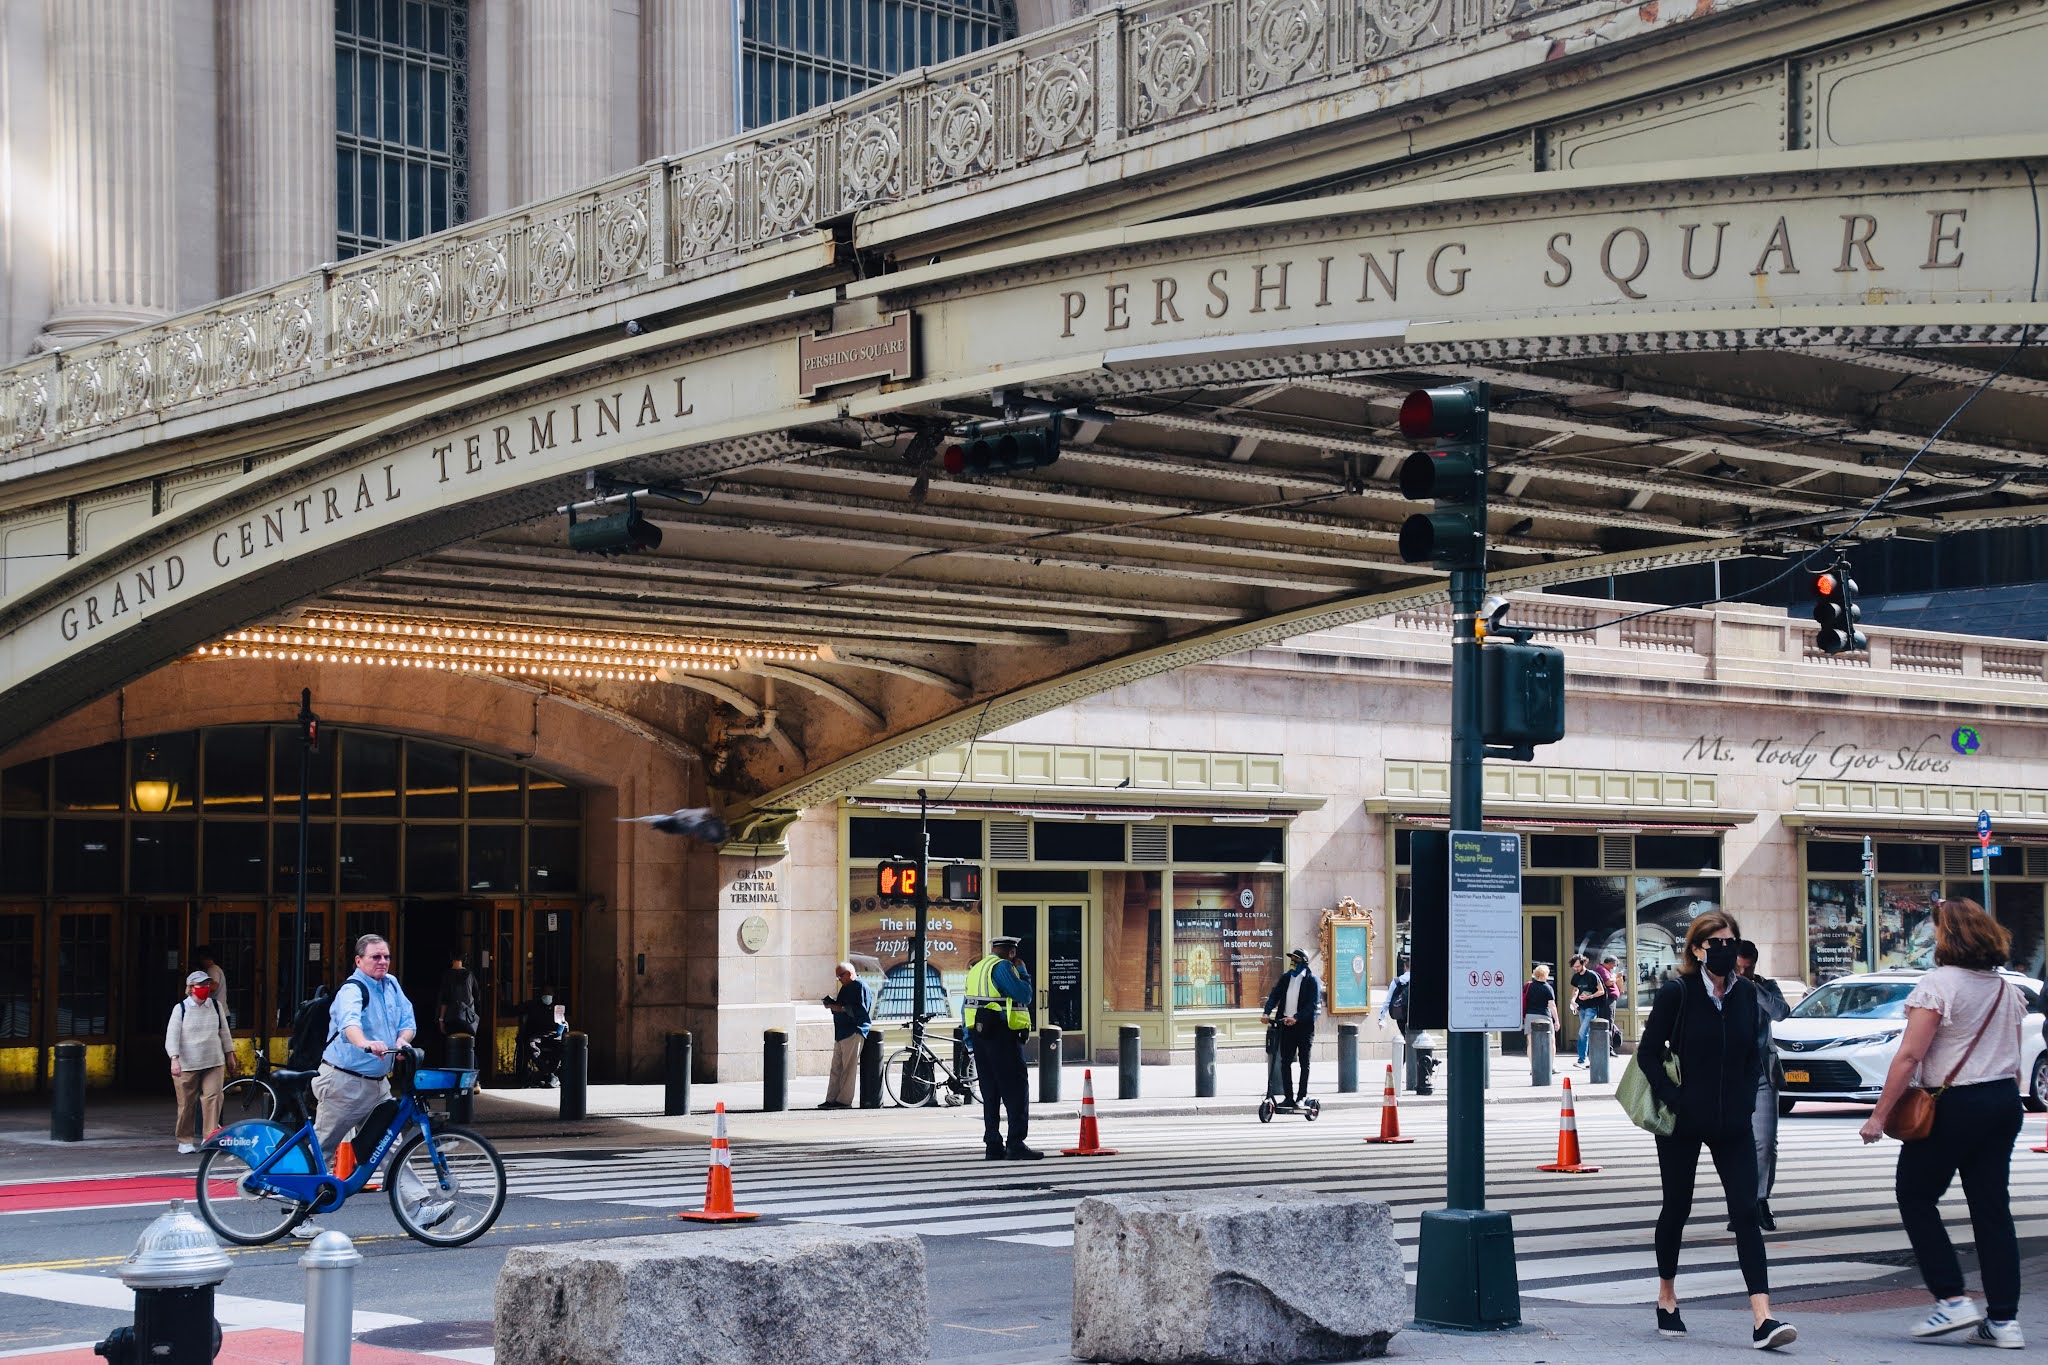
(1707, 1018)
(202, 1052)
(1963, 1025)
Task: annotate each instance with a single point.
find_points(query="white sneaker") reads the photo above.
(1991, 1332)
(1949, 1315)
(306, 1231)
(186, 1149)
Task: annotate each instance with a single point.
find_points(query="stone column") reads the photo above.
(277, 139)
(113, 122)
(689, 75)
(563, 100)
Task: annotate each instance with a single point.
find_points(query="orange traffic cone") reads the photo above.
(1091, 1138)
(344, 1160)
(1568, 1140)
(1390, 1116)
(718, 1182)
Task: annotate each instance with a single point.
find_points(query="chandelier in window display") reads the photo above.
(514, 650)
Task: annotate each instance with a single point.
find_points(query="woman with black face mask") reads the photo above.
(1707, 1018)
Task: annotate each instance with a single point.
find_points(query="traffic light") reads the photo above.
(1834, 607)
(620, 533)
(963, 882)
(1453, 475)
(1002, 452)
(896, 881)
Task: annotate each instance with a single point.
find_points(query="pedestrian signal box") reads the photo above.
(963, 882)
(897, 881)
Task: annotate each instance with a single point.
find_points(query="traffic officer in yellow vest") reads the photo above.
(999, 1014)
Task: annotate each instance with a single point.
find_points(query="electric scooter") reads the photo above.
(1276, 1084)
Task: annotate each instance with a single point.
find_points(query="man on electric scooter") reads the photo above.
(1293, 1002)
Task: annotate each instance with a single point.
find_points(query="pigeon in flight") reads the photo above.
(698, 822)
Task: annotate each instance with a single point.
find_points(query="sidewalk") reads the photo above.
(130, 1134)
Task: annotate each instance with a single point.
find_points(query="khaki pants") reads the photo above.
(840, 1089)
(198, 1099)
(345, 1099)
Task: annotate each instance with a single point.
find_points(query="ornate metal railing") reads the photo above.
(1125, 74)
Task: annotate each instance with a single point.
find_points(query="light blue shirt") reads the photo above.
(380, 1010)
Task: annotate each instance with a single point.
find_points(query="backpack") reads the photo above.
(310, 1032)
(1397, 1004)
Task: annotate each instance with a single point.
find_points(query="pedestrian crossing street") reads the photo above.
(1580, 1238)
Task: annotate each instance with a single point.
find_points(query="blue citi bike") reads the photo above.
(259, 1179)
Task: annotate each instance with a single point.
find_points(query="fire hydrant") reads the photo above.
(173, 1269)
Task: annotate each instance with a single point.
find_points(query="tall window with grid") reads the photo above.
(796, 54)
(401, 119)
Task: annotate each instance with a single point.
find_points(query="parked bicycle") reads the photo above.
(258, 1179)
(915, 1075)
(268, 1093)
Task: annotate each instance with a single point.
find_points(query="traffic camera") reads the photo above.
(1835, 609)
(1452, 475)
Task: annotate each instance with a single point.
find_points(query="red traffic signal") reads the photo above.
(896, 880)
(1836, 613)
(1451, 412)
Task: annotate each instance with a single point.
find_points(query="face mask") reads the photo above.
(1721, 958)
(201, 992)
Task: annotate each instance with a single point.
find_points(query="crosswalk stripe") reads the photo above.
(935, 1185)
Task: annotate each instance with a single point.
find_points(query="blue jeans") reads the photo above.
(1589, 1019)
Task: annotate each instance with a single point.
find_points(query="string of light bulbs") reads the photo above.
(457, 646)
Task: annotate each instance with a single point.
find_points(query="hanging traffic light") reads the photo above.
(1835, 609)
(617, 534)
(1453, 475)
(1003, 452)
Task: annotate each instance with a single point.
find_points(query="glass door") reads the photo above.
(156, 946)
(1542, 940)
(1054, 952)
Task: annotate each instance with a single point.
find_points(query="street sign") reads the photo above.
(1988, 851)
(1984, 828)
(1486, 931)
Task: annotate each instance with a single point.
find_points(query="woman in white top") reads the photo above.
(1962, 1041)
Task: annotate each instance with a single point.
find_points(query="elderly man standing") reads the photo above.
(369, 1020)
(852, 1009)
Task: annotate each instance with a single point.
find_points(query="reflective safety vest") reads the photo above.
(982, 994)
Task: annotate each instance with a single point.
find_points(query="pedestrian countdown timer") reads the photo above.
(896, 880)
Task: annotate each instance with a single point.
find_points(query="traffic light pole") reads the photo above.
(1465, 1266)
(920, 898)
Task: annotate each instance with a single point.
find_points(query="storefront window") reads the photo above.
(1226, 938)
(1600, 922)
(1834, 930)
(878, 945)
(1131, 940)
(1665, 910)
(2018, 906)
(1905, 922)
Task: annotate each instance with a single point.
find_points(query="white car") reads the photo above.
(1839, 1041)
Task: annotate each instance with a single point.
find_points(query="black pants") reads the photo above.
(1974, 1126)
(999, 1060)
(1294, 1046)
(1678, 1165)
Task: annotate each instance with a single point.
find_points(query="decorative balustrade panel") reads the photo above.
(1069, 91)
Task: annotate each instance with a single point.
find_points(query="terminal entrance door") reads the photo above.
(1542, 941)
(1054, 936)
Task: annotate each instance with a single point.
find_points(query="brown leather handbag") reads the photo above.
(1912, 1118)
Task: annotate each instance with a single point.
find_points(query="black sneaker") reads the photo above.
(1669, 1324)
(1763, 1216)
(993, 1154)
(1022, 1153)
(1770, 1334)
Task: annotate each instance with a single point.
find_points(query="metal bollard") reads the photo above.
(1205, 1061)
(67, 1093)
(1051, 1058)
(774, 1071)
(1347, 1059)
(1127, 1058)
(1539, 1052)
(575, 1076)
(461, 1053)
(675, 1088)
(173, 1269)
(1596, 1054)
(1408, 1061)
(871, 1069)
(330, 1265)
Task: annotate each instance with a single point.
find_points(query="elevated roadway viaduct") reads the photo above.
(1731, 268)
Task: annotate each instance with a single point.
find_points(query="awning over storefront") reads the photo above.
(1591, 820)
(1222, 808)
(1922, 829)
